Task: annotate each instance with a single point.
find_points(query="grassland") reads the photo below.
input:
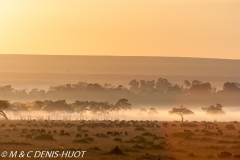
(135, 139)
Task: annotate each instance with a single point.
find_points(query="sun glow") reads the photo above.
(121, 27)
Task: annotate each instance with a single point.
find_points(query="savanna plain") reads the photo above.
(124, 139)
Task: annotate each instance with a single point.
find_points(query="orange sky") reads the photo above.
(182, 28)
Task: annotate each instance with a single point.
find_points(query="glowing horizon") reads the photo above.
(200, 28)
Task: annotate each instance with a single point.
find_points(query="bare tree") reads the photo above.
(4, 105)
(181, 111)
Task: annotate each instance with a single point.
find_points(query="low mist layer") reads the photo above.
(159, 93)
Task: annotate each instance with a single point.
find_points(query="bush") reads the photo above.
(116, 151)
(147, 134)
(46, 137)
(80, 141)
(140, 128)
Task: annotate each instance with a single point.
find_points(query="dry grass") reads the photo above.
(167, 142)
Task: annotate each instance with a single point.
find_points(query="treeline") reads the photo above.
(139, 92)
(102, 109)
(81, 109)
(63, 106)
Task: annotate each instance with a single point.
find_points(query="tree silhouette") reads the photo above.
(60, 105)
(80, 107)
(152, 111)
(134, 85)
(149, 92)
(196, 82)
(175, 89)
(200, 88)
(4, 105)
(214, 110)
(102, 109)
(106, 109)
(163, 84)
(123, 105)
(231, 87)
(142, 112)
(187, 83)
(37, 93)
(181, 111)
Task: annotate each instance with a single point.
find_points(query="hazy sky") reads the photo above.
(182, 28)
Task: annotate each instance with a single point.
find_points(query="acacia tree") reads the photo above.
(123, 105)
(187, 84)
(107, 109)
(214, 110)
(4, 105)
(142, 112)
(181, 111)
(152, 112)
(80, 107)
(101, 108)
(134, 85)
(163, 84)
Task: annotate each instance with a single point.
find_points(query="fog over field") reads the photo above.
(120, 79)
(94, 86)
(163, 115)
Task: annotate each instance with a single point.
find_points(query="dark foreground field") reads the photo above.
(135, 139)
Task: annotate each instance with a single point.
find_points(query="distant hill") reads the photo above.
(43, 70)
(119, 65)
